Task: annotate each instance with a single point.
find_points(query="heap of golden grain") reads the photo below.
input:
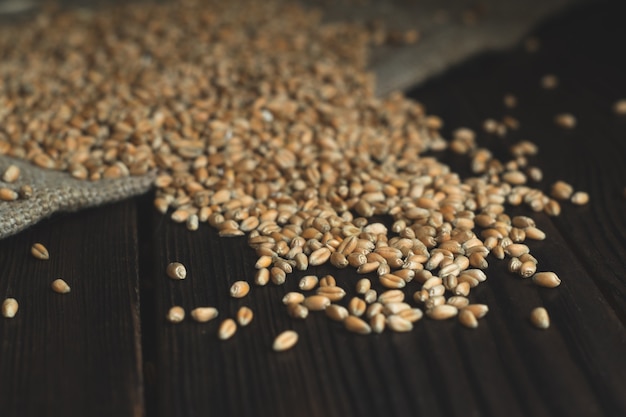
(264, 123)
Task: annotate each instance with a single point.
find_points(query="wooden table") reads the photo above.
(105, 349)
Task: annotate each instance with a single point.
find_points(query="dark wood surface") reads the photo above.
(99, 352)
(76, 354)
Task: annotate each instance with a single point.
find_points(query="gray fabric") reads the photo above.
(57, 191)
(10, 7)
(450, 31)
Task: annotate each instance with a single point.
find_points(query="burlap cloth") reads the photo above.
(450, 31)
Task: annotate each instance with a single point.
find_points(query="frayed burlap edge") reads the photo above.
(55, 191)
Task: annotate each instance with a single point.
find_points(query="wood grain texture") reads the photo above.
(75, 354)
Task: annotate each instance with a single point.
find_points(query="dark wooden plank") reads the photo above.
(587, 244)
(76, 354)
(505, 367)
(197, 373)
